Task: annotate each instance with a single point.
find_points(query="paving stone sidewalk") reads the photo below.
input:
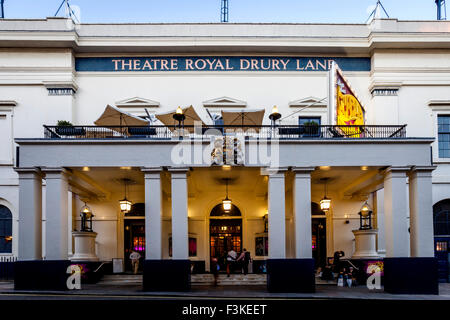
(209, 292)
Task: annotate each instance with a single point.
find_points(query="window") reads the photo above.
(262, 246)
(5, 230)
(441, 218)
(308, 120)
(310, 126)
(444, 136)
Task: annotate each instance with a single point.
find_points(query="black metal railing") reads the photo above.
(293, 132)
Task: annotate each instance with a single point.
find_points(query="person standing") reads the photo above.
(231, 258)
(135, 256)
(245, 258)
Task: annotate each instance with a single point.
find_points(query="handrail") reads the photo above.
(281, 132)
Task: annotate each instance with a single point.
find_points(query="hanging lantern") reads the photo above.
(125, 204)
(365, 217)
(325, 203)
(226, 203)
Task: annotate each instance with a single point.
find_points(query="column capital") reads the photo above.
(302, 170)
(422, 171)
(54, 172)
(274, 172)
(152, 172)
(396, 172)
(178, 172)
(29, 172)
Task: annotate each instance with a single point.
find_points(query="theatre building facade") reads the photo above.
(97, 160)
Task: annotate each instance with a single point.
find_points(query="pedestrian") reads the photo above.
(215, 269)
(245, 258)
(135, 256)
(231, 258)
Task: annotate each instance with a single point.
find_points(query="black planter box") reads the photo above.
(290, 275)
(411, 275)
(167, 275)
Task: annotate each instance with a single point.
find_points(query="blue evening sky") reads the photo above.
(339, 11)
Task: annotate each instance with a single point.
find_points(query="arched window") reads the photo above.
(5, 230)
(441, 218)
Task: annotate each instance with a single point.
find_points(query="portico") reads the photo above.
(179, 201)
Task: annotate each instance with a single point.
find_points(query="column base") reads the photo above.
(411, 275)
(167, 275)
(290, 275)
(41, 275)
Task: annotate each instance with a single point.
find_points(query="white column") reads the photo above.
(396, 212)
(421, 212)
(153, 213)
(302, 212)
(30, 214)
(277, 215)
(379, 204)
(179, 213)
(56, 212)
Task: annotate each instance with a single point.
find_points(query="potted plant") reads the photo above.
(66, 128)
(311, 128)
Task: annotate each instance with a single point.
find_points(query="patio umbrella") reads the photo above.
(243, 118)
(190, 117)
(113, 116)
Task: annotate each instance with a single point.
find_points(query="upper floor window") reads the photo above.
(444, 135)
(5, 230)
(308, 121)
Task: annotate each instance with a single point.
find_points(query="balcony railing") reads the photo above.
(282, 132)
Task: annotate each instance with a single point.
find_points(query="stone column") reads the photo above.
(180, 250)
(56, 198)
(153, 213)
(30, 213)
(421, 212)
(302, 212)
(395, 212)
(290, 275)
(404, 274)
(277, 214)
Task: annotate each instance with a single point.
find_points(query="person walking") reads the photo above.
(215, 269)
(135, 256)
(245, 258)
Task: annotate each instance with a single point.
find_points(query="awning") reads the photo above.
(113, 116)
(244, 118)
(191, 117)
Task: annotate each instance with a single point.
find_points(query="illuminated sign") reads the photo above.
(231, 63)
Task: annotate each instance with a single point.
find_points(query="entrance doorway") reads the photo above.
(134, 239)
(319, 235)
(441, 221)
(225, 229)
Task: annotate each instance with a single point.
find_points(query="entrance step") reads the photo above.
(196, 279)
(202, 279)
(232, 280)
(121, 279)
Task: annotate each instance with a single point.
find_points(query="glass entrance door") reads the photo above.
(225, 234)
(134, 238)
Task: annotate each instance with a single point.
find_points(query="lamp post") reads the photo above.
(365, 217)
(179, 116)
(86, 218)
(274, 116)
